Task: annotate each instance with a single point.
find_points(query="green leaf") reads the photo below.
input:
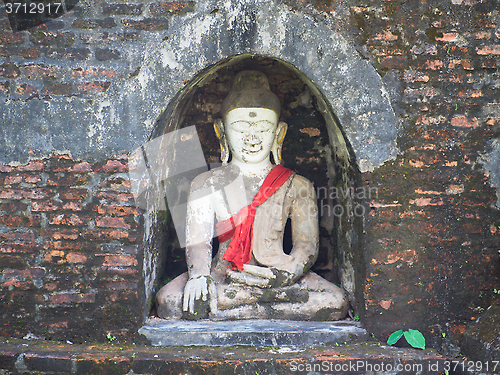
(415, 338)
(395, 337)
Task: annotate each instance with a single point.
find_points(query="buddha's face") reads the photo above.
(250, 133)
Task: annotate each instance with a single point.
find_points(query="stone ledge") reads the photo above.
(163, 332)
(41, 357)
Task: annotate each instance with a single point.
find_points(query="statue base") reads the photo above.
(163, 332)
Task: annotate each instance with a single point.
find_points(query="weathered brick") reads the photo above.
(165, 8)
(106, 23)
(73, 194)
(45, 206)
(15, 221)
(107, 234)
(67, 180)
(18, 235)
(106, 54)
(25, 89)
(117, 210)
(108, 73)
(18, 248)
(100, 38)
(68, 219)
(69, 53)
(58, 234)
(470, 93)
(4, 87)
(48, 38)
(488, 50)
(462, 121)
(113, 195)
(57, 88)
(37, 272)
(27, 53)
(111, 222)
(11, 38)
(118, 260)
(147, 24)
(72, 297)
(114, 166)
(41, 71)
(392, 62)
(9, 70)
(122, 9)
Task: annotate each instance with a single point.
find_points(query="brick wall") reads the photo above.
(433, 234)
(71, 237)
(70, 249)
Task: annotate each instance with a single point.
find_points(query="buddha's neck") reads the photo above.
(260, 169)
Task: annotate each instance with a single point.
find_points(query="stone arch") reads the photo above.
(347, 89)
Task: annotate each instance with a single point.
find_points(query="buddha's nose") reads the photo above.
(252, 140)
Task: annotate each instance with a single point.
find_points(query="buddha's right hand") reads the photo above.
(201, 286)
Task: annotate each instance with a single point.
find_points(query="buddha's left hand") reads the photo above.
(263, 277)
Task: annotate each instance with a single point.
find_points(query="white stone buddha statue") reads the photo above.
(248, 201)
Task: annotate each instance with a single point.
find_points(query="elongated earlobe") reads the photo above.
(278, 141)
(221, 135)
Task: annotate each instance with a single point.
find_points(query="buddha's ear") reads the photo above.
(221, 135)
(278, 141)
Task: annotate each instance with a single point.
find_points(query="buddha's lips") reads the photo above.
(253, 151)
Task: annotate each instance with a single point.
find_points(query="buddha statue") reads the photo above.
(247, 202)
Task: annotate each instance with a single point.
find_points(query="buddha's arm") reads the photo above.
(199, 233)
(305, 230)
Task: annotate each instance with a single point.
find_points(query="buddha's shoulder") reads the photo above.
(215, 178)
(301, 186)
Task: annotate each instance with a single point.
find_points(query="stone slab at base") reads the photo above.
(250, 332)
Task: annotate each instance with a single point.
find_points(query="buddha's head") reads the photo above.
(250, 129)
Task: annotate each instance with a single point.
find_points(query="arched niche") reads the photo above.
(346, 88)
(315, 147)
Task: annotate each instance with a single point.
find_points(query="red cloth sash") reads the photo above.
(240, 225)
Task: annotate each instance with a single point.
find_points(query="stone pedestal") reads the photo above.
(251, 332)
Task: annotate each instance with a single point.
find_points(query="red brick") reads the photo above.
(413, 76)
(95, 73)
(106, 234)
(122, 9)
(14, 221)
(99, 38)
(11, 38)
(121, 260)
(96, 86)
(39, 193)
(18, 235)
(13, 261)
(57, 88)
(67, 180)
(45, 206)
(469, 94)
(25, 89)
(121, 285)
(19, 248)
(147, 24)
(60, 257)
(41, 71)
(489, 50)
(69, 53)
(391, 62)
(49, 38)
(111, 222)
(67, 219)
(114, 166)
(29, 272)
(32, 166)
(164, 8)
(462, 121)
(117, 210)
(72, 206)
(58, 234)
(113, 195)
(13, 206)
(73, 194)
(4, 87)
(106, 54)
(72, 297)
(27, 53)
